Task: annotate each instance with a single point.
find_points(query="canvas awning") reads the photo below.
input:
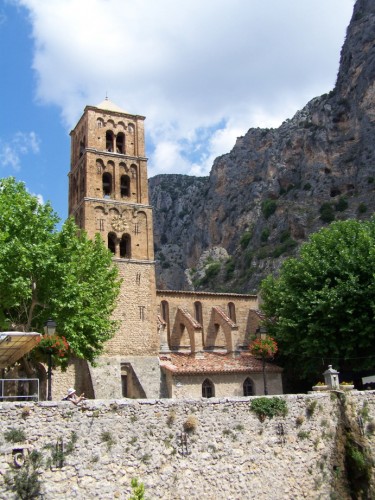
(14, 345)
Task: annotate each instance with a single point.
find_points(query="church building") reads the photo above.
(169, 344)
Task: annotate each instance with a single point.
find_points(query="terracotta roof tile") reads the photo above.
(213, 362)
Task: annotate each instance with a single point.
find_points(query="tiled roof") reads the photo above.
(213, 362)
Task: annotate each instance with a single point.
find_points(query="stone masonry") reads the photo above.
(229, 453)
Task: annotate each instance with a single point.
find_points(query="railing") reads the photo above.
(18, 389)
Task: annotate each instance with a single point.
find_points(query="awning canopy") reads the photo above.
(14, 345)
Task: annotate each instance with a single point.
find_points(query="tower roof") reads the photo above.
(110, 106)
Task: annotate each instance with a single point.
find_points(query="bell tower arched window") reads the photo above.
(208, 389)
(120, 143)
(107, 184)
(109, 140)
(125, 186)
(125, 250)
(112, 243)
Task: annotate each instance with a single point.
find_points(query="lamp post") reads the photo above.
(49, 329)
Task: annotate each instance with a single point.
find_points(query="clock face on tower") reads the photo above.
(120, 223)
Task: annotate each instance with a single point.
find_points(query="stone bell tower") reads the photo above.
(108, 194)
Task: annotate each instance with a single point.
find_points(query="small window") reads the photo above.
(198, 311)
(107, 184)
(125, 247)
(232, 311)
(208, 389)
(165, 310)
(112, 243)
(131, 128)
(125, 186)
(248, 387)
(99, 123)
(120, 143)
(109, 141)
(81, 148)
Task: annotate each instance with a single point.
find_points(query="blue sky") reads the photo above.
(202, 72)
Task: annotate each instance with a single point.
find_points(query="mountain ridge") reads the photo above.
(262, 200)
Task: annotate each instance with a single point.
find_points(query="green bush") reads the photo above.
(341, 205)
(245, 239)
(327, 213)
(307, 186)
(212, 270)
(269, 407)
(265, 234)
(362, 208)
(15, 435)
(268, 208)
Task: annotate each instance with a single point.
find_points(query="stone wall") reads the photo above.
(229, 454)
(190, 386)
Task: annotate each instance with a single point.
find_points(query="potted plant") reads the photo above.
(320, 386)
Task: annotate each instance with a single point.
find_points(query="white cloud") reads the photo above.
(201, 71)
(22, 143)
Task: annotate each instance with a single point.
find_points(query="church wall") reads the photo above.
(243, 319)
(229, 453)
(226, 385)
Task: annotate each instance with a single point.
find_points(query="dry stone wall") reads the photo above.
(228, 453)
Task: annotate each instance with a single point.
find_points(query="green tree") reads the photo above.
(46, 273)
(322, 304)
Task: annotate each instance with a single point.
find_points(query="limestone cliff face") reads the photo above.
(261, 201)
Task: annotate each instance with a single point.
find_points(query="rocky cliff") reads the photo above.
(227, 231)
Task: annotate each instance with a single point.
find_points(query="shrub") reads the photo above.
(107, 437)
(307, 186)
(341, 205)
(326, 213)
(303, 434)
(212, 270)
(138, 490)
(310, 409)
(268, 208)
(190, 424)
(245, 239)
(15, 435)
(362, 208)
(269, 407)
(265, 235)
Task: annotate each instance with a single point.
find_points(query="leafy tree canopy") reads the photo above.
(46, 273)
(322, 304)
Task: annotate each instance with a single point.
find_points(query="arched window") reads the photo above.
(109, 140)
(164, 310)
(232, 311)
(125, 251)
(99, 122)
(81, 147)
(107, 184)
(131, 128)
(112, 243)
(120, 143)
(248, 387)
(125, 186)
(198, 312)
(208, 389)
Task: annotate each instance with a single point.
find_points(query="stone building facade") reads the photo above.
(159, 330)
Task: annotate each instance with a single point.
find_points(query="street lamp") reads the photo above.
(49, 329)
